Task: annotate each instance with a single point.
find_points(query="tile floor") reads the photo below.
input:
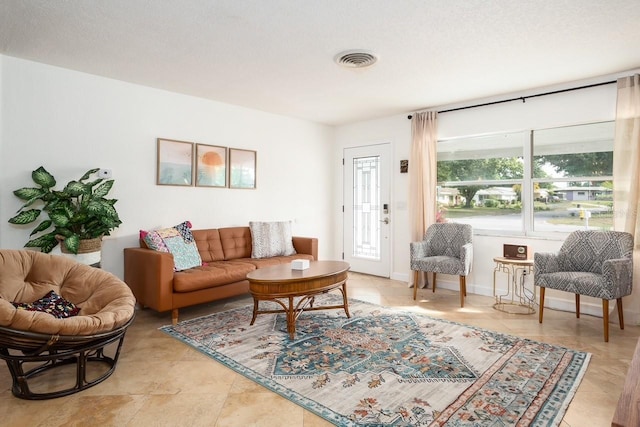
(160, 381)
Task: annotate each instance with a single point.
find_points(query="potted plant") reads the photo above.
(78, 213)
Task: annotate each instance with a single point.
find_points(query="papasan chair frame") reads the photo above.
(35, 343)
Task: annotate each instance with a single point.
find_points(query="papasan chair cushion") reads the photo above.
(105, 301)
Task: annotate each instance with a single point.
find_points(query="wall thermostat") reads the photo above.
(104, 173)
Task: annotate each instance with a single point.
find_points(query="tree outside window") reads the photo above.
(550, 180)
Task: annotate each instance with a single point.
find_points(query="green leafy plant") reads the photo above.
(80, 211)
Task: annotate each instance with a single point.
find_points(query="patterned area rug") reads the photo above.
(388, 367)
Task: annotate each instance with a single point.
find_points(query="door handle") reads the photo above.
(386, 220)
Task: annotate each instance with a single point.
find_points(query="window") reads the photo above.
(535, 181)
(574, 177)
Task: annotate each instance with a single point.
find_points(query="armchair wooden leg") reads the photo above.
(541, 304)
(578, 306)
(433, 285)
(620, 313)
(174, 316)
(463, 285)
(605, 318)
(416, 277)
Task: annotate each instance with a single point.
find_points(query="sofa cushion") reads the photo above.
(209, 244)
(212, 274)
(236, 242)
(176, 240)
(271, 239)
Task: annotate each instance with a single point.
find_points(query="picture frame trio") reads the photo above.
(185, 163)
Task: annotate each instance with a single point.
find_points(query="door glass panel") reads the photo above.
(366, 207)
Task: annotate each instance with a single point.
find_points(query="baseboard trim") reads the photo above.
(554, 303)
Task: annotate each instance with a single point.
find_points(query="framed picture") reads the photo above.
(242, 168)
(211, 166)
(175, 162)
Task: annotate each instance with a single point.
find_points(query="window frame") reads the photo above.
(528, 182)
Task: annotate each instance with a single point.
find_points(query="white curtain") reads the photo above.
(422, 173)
(626, 175)
(626, 157)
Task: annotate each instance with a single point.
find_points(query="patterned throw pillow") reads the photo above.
(177, 240)
(51, 303)
(270, 239)
(155, 238)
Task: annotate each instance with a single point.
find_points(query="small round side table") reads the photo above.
(517, 299)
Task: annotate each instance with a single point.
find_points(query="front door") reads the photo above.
(367, 209)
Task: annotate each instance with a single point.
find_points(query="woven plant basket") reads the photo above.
(86, 246)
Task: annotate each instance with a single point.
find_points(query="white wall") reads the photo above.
(395, 130)
(70, 122)
(581, 106)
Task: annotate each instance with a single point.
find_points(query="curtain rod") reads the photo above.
(523, 98)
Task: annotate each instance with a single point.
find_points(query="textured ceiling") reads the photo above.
(277, 55)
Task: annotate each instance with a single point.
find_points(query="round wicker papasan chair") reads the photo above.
(91, 309)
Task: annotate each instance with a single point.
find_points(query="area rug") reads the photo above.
(389, 367)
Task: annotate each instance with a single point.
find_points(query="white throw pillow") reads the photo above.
(271, 239)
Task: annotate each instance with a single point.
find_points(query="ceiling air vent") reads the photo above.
(356, 58)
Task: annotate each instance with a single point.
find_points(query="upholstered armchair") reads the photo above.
(598, 264)
(447, 249)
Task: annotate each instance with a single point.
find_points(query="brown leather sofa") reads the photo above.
(226, 257)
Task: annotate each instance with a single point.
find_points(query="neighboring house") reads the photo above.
(584, 193)
(502, 194)
(448, 196)
(541, 195)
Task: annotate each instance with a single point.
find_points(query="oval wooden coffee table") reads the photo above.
(295, 290)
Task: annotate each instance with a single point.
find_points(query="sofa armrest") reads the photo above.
(149, 274)
(306, 245)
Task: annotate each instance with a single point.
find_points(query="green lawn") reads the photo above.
(600, 220)
(480, 211)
